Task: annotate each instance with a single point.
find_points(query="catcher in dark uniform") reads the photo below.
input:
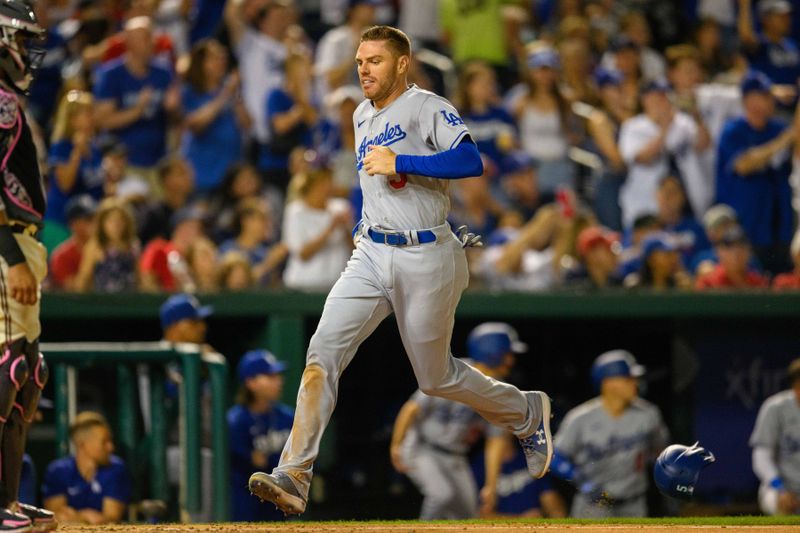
(23, 264)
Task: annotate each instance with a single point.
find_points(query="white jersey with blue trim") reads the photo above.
(418, 122)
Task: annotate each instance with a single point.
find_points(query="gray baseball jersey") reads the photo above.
(418, 123)
(778, 428)
(449, 425)
(613, 452)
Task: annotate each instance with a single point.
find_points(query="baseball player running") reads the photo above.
(432, 435)
(605, 444)
(23, 264)
(409, 143)
(776, 449)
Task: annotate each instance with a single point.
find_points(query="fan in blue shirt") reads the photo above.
(772, 51)
(753, 168)
(132, 96)
(258, 429)
(92, 486)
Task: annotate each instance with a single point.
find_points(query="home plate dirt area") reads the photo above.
(454, 527)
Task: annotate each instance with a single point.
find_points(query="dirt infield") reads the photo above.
(428, 528)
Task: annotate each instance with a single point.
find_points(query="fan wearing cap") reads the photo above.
(545, 120)
(661, 264)
(432, 436)
(772, 51)
(258, 427)
(753, 167)
(603, 445)
(598, 254)
(790, 280)
(651, 143)
(603, 125)
(66, 258)
(734, 269)
(776, 448)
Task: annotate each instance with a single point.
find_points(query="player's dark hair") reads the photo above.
(85, 421)
(395, 39)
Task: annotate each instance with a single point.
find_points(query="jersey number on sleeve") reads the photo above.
(398, 181)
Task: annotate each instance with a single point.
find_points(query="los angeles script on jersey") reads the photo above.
(391, 134)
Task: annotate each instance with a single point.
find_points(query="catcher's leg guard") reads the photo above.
(13, 375)
(16, 430)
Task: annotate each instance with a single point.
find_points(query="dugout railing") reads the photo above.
(127, 359)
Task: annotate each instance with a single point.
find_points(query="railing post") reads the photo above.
(62, 408)
(218, 376)
(286, 338)
(191, 407)
(159, 482)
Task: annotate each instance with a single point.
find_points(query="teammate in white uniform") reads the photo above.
(406, 261)
(776, 449)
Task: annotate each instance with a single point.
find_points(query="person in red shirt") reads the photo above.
(162, 266)
(790, 280)
(66, 258)
(732, 271)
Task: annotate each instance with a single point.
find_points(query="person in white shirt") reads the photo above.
(650, 143)
(261, 54)
(316, 230)
(337, 48)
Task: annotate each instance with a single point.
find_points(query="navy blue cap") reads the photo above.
(623, 42)
(756, 81)
(660, 85)
(182, 307)
(658, 241)
(80, 206)
(544, 57)
(491, 341)
(604, 76)
(257, 362)
(516, 161)
(615, 363)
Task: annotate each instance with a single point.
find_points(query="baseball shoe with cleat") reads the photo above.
(538, 447)
(278, 489)
(42, 519)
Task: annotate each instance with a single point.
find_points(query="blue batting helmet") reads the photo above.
(613, 364)
(491, 341)
(678, 467)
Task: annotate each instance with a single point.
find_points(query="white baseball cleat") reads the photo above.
(278, 489)
(538, 447)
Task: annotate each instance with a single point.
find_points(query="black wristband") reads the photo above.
(9, 249)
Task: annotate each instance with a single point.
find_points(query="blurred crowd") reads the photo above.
(209, 145)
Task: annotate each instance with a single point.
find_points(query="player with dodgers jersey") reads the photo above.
(776, 448)
(432, 435)
(409, 143)
(604, 445)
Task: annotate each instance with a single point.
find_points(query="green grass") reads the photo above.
(677, 521)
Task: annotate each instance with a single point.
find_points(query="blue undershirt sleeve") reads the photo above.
(463, 161)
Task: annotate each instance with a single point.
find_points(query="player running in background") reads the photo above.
(604, 446)
(409, 143)
(23, 372)
(432, 436)
(776, 448)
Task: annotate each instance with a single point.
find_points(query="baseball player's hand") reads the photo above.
(380, 160)
(788, 503)
(22, 284)
(396, 454)
(488, 500)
